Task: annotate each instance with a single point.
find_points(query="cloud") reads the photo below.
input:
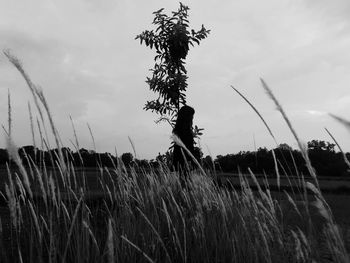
(316, 113)
(84, 55)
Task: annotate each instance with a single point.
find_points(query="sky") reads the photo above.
(84, 55)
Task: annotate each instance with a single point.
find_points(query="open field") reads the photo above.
(337, 185)
(336, 191)
(92, 176)
(96, 195)
(334, 186)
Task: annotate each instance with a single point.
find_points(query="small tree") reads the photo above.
(127, 159)
(171, 40)
(317, 145)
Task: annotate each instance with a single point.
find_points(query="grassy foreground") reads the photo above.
(152, 218)
(149, 217)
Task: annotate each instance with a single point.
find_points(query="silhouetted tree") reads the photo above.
(4, 158)
(127, 158)
(207, 162)
(171, 40)
(107, 160)
(323, 157)
(284, 147)
(27, 154)
(166, 158)
(316, 145)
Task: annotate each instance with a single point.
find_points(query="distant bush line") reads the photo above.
(79, 158)
(325, 160)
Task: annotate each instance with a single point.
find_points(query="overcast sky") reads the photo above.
(84, 56)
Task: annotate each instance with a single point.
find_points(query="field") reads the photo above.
(96, 199)
(335, 185)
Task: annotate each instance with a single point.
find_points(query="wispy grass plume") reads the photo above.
(302, 147)
(258, 113)
(38, 95)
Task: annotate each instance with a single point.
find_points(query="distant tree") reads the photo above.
(284, 147)
(323, 157)
(144, 163)
(227, 163)
(166, 158)
(262, 150)
(320, 146)
(106, 159)
(264, 161)
(67, 154)
(88, 159)
(161, 157)
(171, 40)
(208, 162)
(4, 158)
(83, 151)
(127, 158)
(27, 154)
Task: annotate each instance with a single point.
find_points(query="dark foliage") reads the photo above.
(171, 40)
(81, 158)
(127, 159)
(323, 158)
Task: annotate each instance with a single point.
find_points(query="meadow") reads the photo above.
(135, 215)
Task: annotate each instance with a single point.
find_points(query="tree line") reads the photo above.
(325, 160)
(30, 155)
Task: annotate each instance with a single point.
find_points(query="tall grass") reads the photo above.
(148, 216)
